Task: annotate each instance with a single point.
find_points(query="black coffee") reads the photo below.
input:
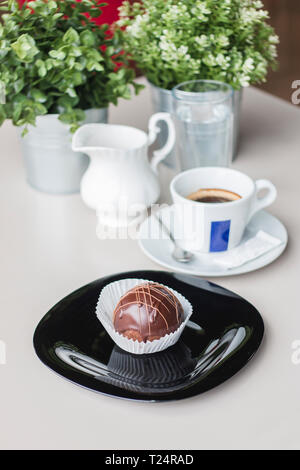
(213, 199)
(213, 196)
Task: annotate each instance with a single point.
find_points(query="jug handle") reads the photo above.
(159, 155)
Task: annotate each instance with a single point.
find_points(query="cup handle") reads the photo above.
(159, 155)
(267, 200)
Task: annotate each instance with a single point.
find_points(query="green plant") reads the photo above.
(173, 41)
(55, 59)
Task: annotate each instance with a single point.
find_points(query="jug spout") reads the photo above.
(86, 139)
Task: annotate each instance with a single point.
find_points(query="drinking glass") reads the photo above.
(203, 113)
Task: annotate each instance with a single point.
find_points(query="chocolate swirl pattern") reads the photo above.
(147, 312)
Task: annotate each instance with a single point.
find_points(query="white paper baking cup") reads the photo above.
(108, 299)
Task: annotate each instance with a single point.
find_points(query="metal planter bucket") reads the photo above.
(162, 102)
(51, 165)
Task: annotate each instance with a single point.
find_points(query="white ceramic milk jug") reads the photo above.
(120, 182)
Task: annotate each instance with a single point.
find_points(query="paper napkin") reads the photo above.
(254, 247)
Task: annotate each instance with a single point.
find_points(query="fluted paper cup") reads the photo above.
(108, 299)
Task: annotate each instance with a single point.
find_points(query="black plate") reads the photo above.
(224, 333)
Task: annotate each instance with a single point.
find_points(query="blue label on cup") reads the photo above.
(219, 235)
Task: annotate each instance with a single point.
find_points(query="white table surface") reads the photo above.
(49, 248)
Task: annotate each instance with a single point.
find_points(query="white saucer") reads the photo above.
(159, 250)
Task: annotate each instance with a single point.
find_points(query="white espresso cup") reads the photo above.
(212, 227)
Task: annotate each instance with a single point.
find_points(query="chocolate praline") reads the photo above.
(147, 312)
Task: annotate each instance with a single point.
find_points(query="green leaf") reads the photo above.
(57, 54)
(67, 103)
(56, 16)
(52, 5)
(25, 48)
(93, 65)
(42, 69)
(2, 114)
(18, 85)
(71, 36)
(110, 51)
(38, 95)
(87, 38)
(17, 111)
(138, 87)
(71, 92)
(95, 13)
(40, 109)
(19, 99)
(75, 116)
(77, 78)
(76, 51)
(24, 131)
(48, 64)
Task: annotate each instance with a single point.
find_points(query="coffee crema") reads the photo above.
(213, 195)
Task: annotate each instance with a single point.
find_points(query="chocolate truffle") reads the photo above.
(147, 312)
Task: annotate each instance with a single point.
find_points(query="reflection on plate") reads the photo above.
(222, 335)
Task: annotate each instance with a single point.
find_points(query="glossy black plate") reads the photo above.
(224, 333)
